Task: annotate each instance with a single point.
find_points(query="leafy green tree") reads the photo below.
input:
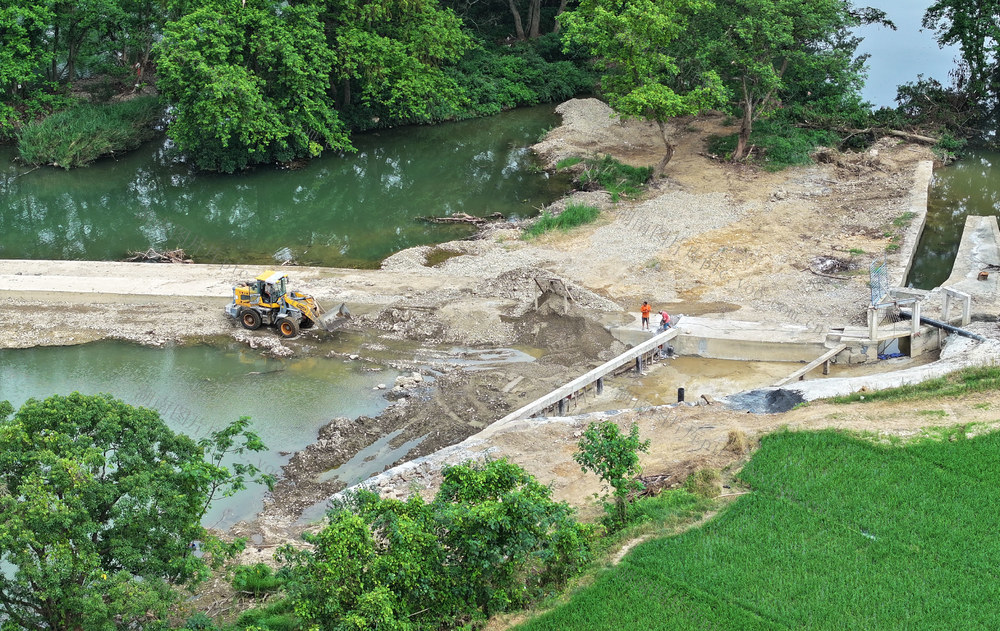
(642, 77)
(758, 45)
(248, 84)
(389, 55)
(22, 53)
(973, 25)
(613, 456)
(99, 503)
(491, 540)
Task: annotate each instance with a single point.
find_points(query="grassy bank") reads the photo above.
(960, 382)
(574, 215)
(81, 134)
(839, 533)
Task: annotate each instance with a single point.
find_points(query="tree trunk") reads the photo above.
(347, 94)
(534, 18)
(746, 126)
(562, 7)
(518, 28)
(658, 171)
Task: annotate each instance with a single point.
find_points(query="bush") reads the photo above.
(614, 456)
(704, 483)
(79, 135)
(257, 580)
(777, 144)
(574, 215)
(498, 78)
(277, 616)
(611, 175)
(492, 540)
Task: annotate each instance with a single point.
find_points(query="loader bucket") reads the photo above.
(335, 319)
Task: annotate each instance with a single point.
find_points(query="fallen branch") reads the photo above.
(464, 218)
(152, 256)
(851, 131)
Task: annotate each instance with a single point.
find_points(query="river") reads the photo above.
(349, 210)
(200, 389)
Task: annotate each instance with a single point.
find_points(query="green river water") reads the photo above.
(967, 187)
(199, 389)
(348, 210)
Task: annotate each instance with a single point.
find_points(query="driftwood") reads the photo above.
(464, 218)
(851, 131)
(152, 256)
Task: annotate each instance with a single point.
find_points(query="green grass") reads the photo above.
(621, 180)
(903, 219)
(574, 215)
(957, 383)
(565, 163)
(839, 533)
(79, 135)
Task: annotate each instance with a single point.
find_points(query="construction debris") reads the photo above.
(464, 218)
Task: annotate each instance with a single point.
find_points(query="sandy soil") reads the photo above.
(686, 438)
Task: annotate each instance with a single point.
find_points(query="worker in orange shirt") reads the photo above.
(645, 310)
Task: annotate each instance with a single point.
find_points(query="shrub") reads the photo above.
(704, 483)
(79, 135)
(777, 144)
(574, 215)
(613, 456)
(257, 580)
(613, 176)
(492, 540)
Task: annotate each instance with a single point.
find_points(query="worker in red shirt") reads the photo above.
(664, 321)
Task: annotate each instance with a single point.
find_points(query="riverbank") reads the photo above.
(711, 238)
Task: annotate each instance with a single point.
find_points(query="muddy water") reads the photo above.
(967, 187)
(200, 389)
(719, 377)
(349, 210)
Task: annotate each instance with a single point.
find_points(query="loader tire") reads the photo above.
(288, 327)
(250, 319)
(306, 323)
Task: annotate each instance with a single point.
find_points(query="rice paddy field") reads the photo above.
(839, 532)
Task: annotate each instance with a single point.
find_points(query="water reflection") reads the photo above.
(345, 210)
(965, 188)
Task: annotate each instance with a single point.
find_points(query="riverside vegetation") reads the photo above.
(234, 98)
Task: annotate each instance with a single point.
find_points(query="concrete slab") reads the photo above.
(752, 341)
(922, 177)
(979, 249)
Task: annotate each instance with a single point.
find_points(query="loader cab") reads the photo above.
(271, 286)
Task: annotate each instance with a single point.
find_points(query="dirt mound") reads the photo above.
(569, 335)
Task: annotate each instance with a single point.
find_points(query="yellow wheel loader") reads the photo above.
(266, 300)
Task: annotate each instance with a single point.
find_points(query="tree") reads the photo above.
(99, 503)
(642, 78)
(613, 456)
(755, 44)
(492, 539)
(248, 84)
(390, 52)
(22, 29)
(975, 27)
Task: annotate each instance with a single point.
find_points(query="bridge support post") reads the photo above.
(916, 348)
(600, 386)
(562, 407)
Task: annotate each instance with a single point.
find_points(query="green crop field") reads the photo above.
(839, 533)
